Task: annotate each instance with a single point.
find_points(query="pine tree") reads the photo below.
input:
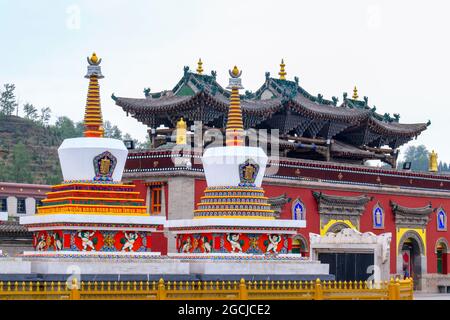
(8, 101)
(19, 169)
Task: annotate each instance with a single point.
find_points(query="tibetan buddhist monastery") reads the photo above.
(310, 127)
(91, 211)
(395, 220)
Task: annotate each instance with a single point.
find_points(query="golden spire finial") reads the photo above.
(235, 127)
(93, 122)
(199, 66)
(355, 94)
(282, 72)
(433, 165)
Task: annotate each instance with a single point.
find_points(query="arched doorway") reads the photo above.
(411, 257)
(300, 246)
(441, 256)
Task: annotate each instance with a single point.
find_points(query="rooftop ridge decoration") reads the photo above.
(235, 126)
(93, 122)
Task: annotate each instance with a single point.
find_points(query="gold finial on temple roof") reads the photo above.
(355, 94)
(181, 132)
(282, 72)
(199, 66)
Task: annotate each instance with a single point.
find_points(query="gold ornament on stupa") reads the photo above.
(282, 72)
(433, 164)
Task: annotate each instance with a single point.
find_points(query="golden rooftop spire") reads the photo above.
(93, 122)
(235, 127)
(181, 131)
(355, 94)
(282, 72)
(199, 67)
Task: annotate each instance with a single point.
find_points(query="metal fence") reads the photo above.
(208, 290)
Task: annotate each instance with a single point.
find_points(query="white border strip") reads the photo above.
(238, 222)
(93, 219)
(89, 254)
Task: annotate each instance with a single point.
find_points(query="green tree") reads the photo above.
(19, 169)
(30, 111)
(8, 101)
(45, 115)
(146, 144)
(112, 131)
(66, 128)
(418, 156)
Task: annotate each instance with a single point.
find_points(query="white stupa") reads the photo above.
(234, 216)
(92, 212)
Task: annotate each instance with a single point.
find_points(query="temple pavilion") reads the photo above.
(310, 127)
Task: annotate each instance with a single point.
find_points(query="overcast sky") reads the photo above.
(396, 52)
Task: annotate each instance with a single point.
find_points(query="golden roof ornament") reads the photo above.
(282, 72)
(181, 132)
(433, 163)
(355, 94)
(199, 66)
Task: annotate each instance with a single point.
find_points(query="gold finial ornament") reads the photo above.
(282, 72)
(199, 66)
(181, 131)
(355, 94)
(235, 73)
(94, 60)
(433, 164)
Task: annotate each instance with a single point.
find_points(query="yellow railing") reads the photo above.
(209, 290)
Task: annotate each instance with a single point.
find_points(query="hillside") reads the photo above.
(28, 151)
